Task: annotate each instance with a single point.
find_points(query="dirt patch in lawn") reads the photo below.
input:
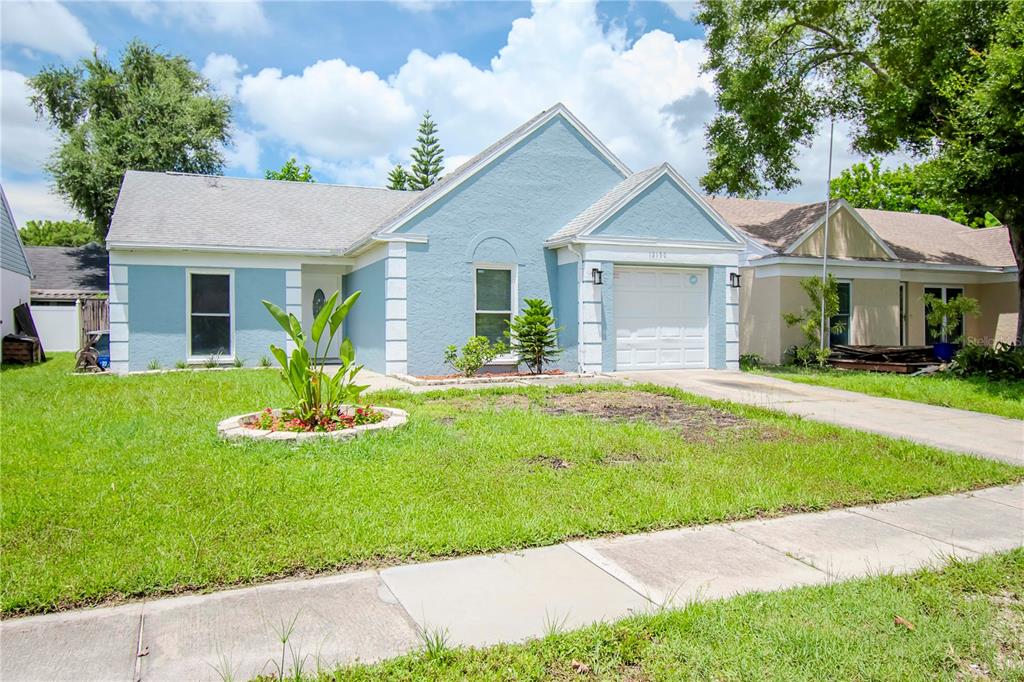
(695, 423)
(551, 462)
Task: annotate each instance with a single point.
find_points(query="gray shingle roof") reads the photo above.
(81, 269)
(12, 254)
(214, 211)
(613, 196)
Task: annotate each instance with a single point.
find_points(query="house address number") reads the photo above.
(658, 255)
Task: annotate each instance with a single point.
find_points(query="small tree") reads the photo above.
(427, 156)
(57, 233)
(398, 179)
(942, 315)
(533, 336)
(290, 171)
(809, 319)
(477, 352)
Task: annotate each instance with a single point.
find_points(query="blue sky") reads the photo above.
(341, 86)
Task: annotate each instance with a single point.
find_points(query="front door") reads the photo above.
(317, 287)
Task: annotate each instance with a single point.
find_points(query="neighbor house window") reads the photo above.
(945, 294)
(209, 314)
(493, 301)
(843, 317)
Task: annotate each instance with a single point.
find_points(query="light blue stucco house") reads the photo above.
(641, 271)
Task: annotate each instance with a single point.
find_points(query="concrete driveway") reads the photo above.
(974, 433)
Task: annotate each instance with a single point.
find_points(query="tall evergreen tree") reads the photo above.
(398, 178)
(427, 156)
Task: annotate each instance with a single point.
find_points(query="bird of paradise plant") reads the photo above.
(318, 396)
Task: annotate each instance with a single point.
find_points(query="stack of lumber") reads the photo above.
(899, 359)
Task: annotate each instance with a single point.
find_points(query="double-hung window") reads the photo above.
(209, 314)
(494, 296)
(842, 317)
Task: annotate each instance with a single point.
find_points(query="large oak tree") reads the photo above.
(940, 79)
(151, 112)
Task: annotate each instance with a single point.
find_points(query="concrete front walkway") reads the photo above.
(974, 433)
(483, 600)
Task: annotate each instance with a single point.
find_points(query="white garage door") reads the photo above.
(661, 318)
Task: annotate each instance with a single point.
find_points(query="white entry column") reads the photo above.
(395, 310)
(591, 347)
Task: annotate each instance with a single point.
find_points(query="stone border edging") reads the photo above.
(233, 428)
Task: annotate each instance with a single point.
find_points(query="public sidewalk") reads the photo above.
(484, 600)
(975, 433)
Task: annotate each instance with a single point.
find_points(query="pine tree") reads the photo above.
(427, 156)
(533, 336)
(398, 178)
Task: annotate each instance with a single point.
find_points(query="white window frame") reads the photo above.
(508, 358)
(188, 312)
(849, 321)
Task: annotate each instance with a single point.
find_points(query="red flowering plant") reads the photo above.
(320, 398)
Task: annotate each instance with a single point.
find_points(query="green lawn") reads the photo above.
(1005, 398)
(119, 486)
(967, 619)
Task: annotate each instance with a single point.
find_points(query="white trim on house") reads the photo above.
(201, 248)
(841, 204)
(732, 321)
(396, 326)
(119, 330)
(591, 338)
(292, 302)
(224, 259)
(795, 266)
(513, 268)
(483, 162)
(660, 253)
(192, 357)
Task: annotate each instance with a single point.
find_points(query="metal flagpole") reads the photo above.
(823, 329)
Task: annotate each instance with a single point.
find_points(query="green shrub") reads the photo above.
(154, 364)
(239, 362)
(1002, 361)
(477, 352)
(181, 364)
(940, 313)
(813, 352)
(533, 336)
(318, 396)
(750, 361)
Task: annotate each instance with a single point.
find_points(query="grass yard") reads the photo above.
(118, 487)
(1004, 398)
(967, 620)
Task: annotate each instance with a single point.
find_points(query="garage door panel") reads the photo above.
(661, 318)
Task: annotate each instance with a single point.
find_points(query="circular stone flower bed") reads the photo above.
(280, 425)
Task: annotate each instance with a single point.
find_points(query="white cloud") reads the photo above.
(44, 25)
(26, 142)
(646, 100)
(32, 200)
(222, 71)
(331, 110)
(238, 17)
(244, 153)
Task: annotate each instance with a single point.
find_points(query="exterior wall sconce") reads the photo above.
(734, 280)
(598, 276)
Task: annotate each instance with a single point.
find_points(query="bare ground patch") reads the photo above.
(695, 423)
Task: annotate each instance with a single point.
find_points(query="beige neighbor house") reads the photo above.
(885, 262)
